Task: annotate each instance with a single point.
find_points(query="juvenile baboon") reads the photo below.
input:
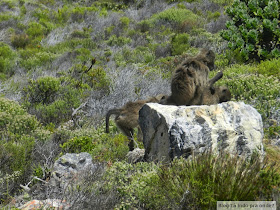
(212, 95)
(127, 117)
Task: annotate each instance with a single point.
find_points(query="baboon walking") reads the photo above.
(127, 117)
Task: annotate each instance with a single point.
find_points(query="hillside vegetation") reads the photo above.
(52, 102)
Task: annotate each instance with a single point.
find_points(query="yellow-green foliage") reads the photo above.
(118, 41)
(177, 16)
(34, 57)
(52, 101)
(247, 85)
(135, 183)
(180, 44)
(269, 68)
(7, 16)
(102, 146)
(139, 55)
(124, 22)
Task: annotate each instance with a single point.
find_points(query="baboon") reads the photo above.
(212, 95)
(127, 116)
(187, 87)
(187, 77)
(207, 57)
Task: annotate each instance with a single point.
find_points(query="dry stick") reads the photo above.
(92, 63)
(75, 112)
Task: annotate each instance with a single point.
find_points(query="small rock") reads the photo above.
(136, 155)
(46, 204)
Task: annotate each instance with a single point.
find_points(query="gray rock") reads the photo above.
(72, 166)
(174, 131)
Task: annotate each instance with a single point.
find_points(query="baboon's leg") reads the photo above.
(129, 133)
(139, 134)
(218, 76)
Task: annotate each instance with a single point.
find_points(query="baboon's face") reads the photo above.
(225, 94)
(161, 97)
(210, 59)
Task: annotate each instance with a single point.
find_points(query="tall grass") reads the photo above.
(201, 182)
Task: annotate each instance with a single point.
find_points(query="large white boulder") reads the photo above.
(173, 131)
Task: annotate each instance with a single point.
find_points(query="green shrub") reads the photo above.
(118, 41)
(6, 16)
(85, 33)
(35, 30)
(124, 21)
(176, 15)
(181, 19)
(139, 55)
(78, 144)
(213, 15)
(7, 58)
(83, 54)
(135, 184)
(254, 30)
(269, 68)
(31, 58)
(97, 79)
(261, 91)
(101, 146)
(16, 145)
(20, 40)
(42, 90)
(14, 120)
(180, 44)
(51, 101)
(197, 183)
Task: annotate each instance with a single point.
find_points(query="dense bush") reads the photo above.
(16, 145)
(43, 90)
(101, 146)
(7, 59)
(254, 29)
(198, 183)
(50, 100)
(14, 120)
(180, 44)
(261, 91)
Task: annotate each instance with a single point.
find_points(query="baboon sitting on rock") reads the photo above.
(190, 74)
(127, 117)
(190, 84)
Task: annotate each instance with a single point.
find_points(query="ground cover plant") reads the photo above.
(53, 102)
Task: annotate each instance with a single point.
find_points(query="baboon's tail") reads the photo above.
(109, 113)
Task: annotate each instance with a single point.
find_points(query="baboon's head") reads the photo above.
(224, 94)
(160, 97)
(207, 57)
